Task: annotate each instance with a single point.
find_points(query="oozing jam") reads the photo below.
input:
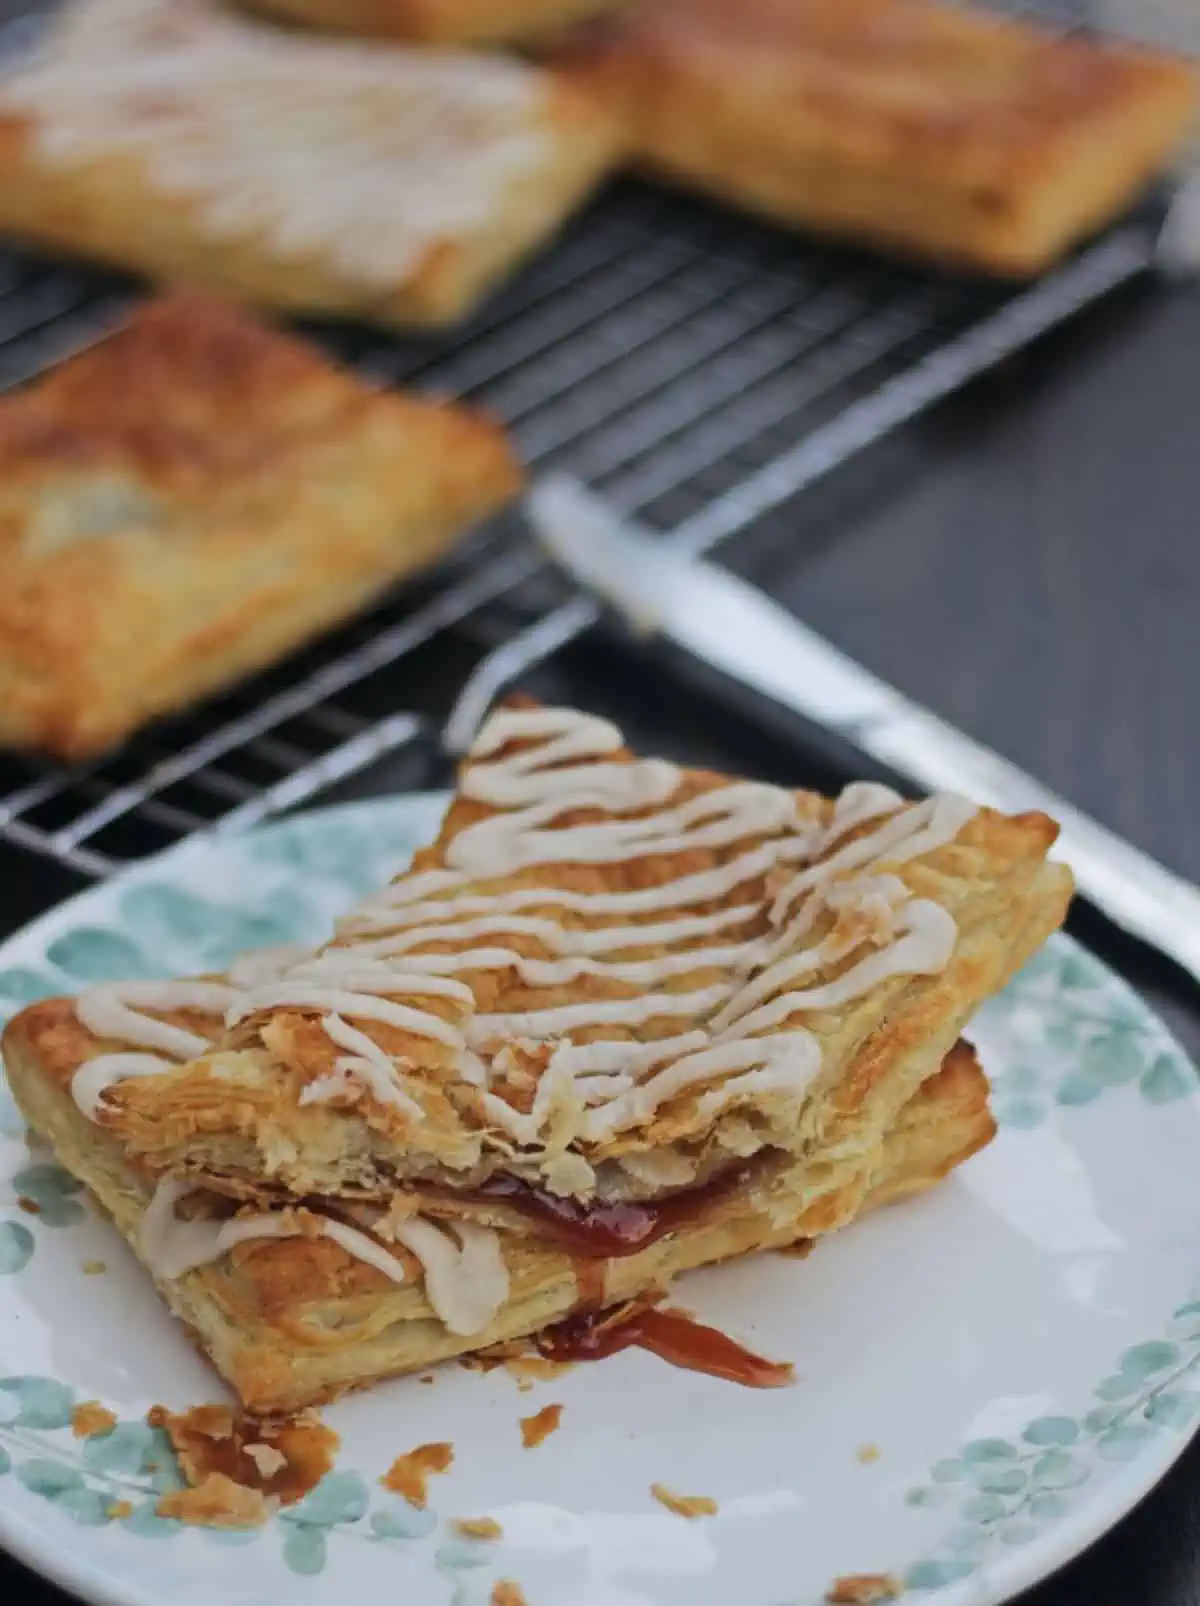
(610, 1231)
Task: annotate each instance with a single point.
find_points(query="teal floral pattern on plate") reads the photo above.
(119, 1477)
(1070, 1039)
(1023, 1345)
(1005, 1492)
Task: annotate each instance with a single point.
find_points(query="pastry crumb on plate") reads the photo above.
(216, 1502)
(536, 1429)
(863, 1589)
(282, 1459)
(478, 1528)
(90, 1419)
(409, 1474)
(684, 1505)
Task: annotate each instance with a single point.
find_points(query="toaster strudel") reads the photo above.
(611, 977)
(304, 1301)
(194, 496)
(180, 140)
(942, 131)
(621, 1019)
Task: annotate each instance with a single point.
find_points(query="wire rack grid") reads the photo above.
(697, 368)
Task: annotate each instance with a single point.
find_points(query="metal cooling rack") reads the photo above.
(697, 368)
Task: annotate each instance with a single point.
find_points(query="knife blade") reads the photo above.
(735, 628)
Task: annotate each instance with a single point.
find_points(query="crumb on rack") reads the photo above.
(478, 1527)
(29, 1206)
(281, 1459)
(507, 1593)
(866, 1453)
(684, 1505)
(800, 1250)
(93, 1268)
(90, 1419)
(862, 1589)
(428, 1378)
(536, 1429)
(118, 1510)
(216, 1502)
(409, 1474)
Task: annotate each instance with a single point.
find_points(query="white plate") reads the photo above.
(1022, 1346)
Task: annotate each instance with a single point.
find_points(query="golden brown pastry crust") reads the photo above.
(441, 22)
(112, 194)
(939, 131)
(236, 1114)
(196, 495)
(296, 1321)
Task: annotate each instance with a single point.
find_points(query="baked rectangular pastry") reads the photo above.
(941, 131)
(177, 139)
(196, 495)
(442, 22)
(608, 979)
(297, 1305)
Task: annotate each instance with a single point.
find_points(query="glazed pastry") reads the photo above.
(174, 138)
(943, 132)
(295, 1305)
(195, 496)
(608, 979)
(443, 22)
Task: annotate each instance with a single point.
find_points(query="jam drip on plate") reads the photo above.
(591, 1335)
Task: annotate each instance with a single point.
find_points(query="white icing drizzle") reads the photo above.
(365, 1064)
(171, 1246)
(741, 1039)
(118, 1011)
(466, 1281)
(364, 156)
(532, 768)
(95, 1076)
(113, 1011)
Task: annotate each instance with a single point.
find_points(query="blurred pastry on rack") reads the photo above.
(943, 132)
(183, 141)
(442, 22)
(196, 495)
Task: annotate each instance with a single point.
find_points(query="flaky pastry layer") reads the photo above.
(940, 131)
(194, 496)
(297, 1321)
(245, 1115)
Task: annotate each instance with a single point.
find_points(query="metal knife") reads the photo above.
(738, 630)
